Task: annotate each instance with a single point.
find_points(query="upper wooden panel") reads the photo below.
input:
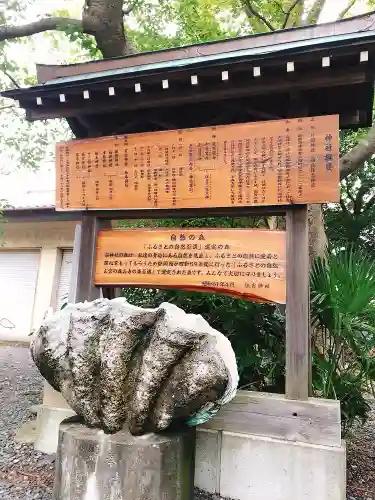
(264, 163)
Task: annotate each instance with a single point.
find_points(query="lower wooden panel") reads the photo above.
(247, 263)
(315, 421)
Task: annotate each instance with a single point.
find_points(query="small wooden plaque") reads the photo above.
(248, 164)
(248, 263)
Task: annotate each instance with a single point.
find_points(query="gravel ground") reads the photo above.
(361, 461)
(26, 474)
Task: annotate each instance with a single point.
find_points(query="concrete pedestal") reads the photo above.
(258, 447)
(47, 423)
(93, 466)
(50, 414)
(246, 467)
(266, 447)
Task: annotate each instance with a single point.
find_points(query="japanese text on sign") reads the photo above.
(265, 163)
(247, 263)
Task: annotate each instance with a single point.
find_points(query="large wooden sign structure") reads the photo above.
(272, 168)
(248, 263)
(253, 164)
(265, 167)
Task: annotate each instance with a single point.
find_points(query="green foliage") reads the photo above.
(22, 143)
(343, 319)
(352, 221)
(165, 24)
(162, 24)
(77, 37)
(223, 222)
(276, 13)
(343, 314)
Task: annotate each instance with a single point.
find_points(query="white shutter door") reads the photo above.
(18, 279)
(64, 280)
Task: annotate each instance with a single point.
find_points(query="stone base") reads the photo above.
(47, 427)
(259, 446)
(249, 467)
(93, 466)
(49, 417)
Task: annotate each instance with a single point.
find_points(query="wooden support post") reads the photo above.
(111, 293)
(75, 263)
(310, 350)
(86, 290)
(297, 304)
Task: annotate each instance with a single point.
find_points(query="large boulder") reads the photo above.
(152, 369)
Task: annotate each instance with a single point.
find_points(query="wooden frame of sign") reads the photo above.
(311, 174)
(297, 367)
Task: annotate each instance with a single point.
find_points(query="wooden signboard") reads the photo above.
(265, 163)
(248, 263)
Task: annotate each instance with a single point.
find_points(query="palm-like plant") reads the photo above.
(343, 323)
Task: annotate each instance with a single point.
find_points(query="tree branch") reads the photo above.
(288, 13)
(129, 9)
(7, 107)
(250, 11)
(315, 11)
(357, 156)
(343, 206)
(359, 200)
(369, 204)
(349, 194)
(280, 7)
(45, 24)
(13, 80)
(346, 10)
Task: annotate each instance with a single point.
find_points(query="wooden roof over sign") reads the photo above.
(314, 70)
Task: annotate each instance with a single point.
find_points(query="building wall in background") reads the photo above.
(50, 239)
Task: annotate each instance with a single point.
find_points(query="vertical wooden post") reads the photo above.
(75, 263)
(310, 350)
(86, 290)
(111, 293)
(297, 304)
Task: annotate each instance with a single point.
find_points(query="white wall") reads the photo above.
(49, 238)
(18, 235)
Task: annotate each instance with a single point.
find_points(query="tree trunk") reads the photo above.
(104, 20)
(317, 235)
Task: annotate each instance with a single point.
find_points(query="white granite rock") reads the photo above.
(116, 363)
